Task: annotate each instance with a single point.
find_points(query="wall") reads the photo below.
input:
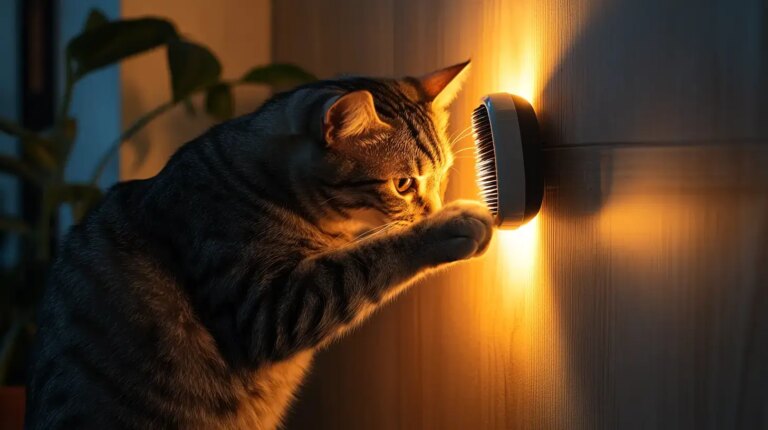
(237, 31)
(96, 99)
(637, 298)
(95, 103)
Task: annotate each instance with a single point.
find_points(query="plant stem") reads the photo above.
(11, 128)
(139, 124)
(127, 134)
(66, 100)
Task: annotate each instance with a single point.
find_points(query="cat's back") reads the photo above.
(113, 328)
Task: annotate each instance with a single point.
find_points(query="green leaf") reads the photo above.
(278, 74)
(219, 102)
(11, 128)
(96, 18)
(82, 197)
(82, 208)
(189, 107)
(193, 67)
(38, 151)
(113, 41)
(14, 225)
(63, 147)
(17, 167)
(79, 192)
(70, 129)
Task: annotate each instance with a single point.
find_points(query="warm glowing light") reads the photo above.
(518, 75)
(520, 60)
(635, 220)
(519, 253)
(518, 70)
(515, 310)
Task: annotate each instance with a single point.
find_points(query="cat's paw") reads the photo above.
(461, 230)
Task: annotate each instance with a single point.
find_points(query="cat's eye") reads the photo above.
(403, 185)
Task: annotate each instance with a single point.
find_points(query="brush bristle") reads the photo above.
(485, 158)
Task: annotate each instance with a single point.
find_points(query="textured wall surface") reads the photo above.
(237, 31)
(639, 296)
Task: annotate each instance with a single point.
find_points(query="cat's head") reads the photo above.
(385, 153)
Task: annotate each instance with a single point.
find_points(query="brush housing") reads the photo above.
(508, 157)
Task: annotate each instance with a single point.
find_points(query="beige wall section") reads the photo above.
(637, 298)
(237, 31)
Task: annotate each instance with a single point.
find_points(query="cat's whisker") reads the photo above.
(455, 144)
(458, 133)
(460, 137)
(465, 132)
(371, 232)
(376, 231)
(466, 129)
(388, 226)
(464, 150)
(332, 198)
(368, 233)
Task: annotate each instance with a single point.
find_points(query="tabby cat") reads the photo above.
(197, 298)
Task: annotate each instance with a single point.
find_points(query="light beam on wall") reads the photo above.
(519, 248)
(519, 253)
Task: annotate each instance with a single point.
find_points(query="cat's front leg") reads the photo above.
(326, 294)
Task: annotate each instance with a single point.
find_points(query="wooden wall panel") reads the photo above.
(638, 297)
(237, 31)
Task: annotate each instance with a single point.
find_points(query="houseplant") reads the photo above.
(192, 69)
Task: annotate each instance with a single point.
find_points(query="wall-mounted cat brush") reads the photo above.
(508, 156)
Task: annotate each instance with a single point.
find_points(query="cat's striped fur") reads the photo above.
(196, 299)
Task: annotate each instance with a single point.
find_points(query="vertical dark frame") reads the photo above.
(37, 63)
(38, 88)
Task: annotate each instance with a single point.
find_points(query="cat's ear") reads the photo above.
(351, 116)
(441, 87)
